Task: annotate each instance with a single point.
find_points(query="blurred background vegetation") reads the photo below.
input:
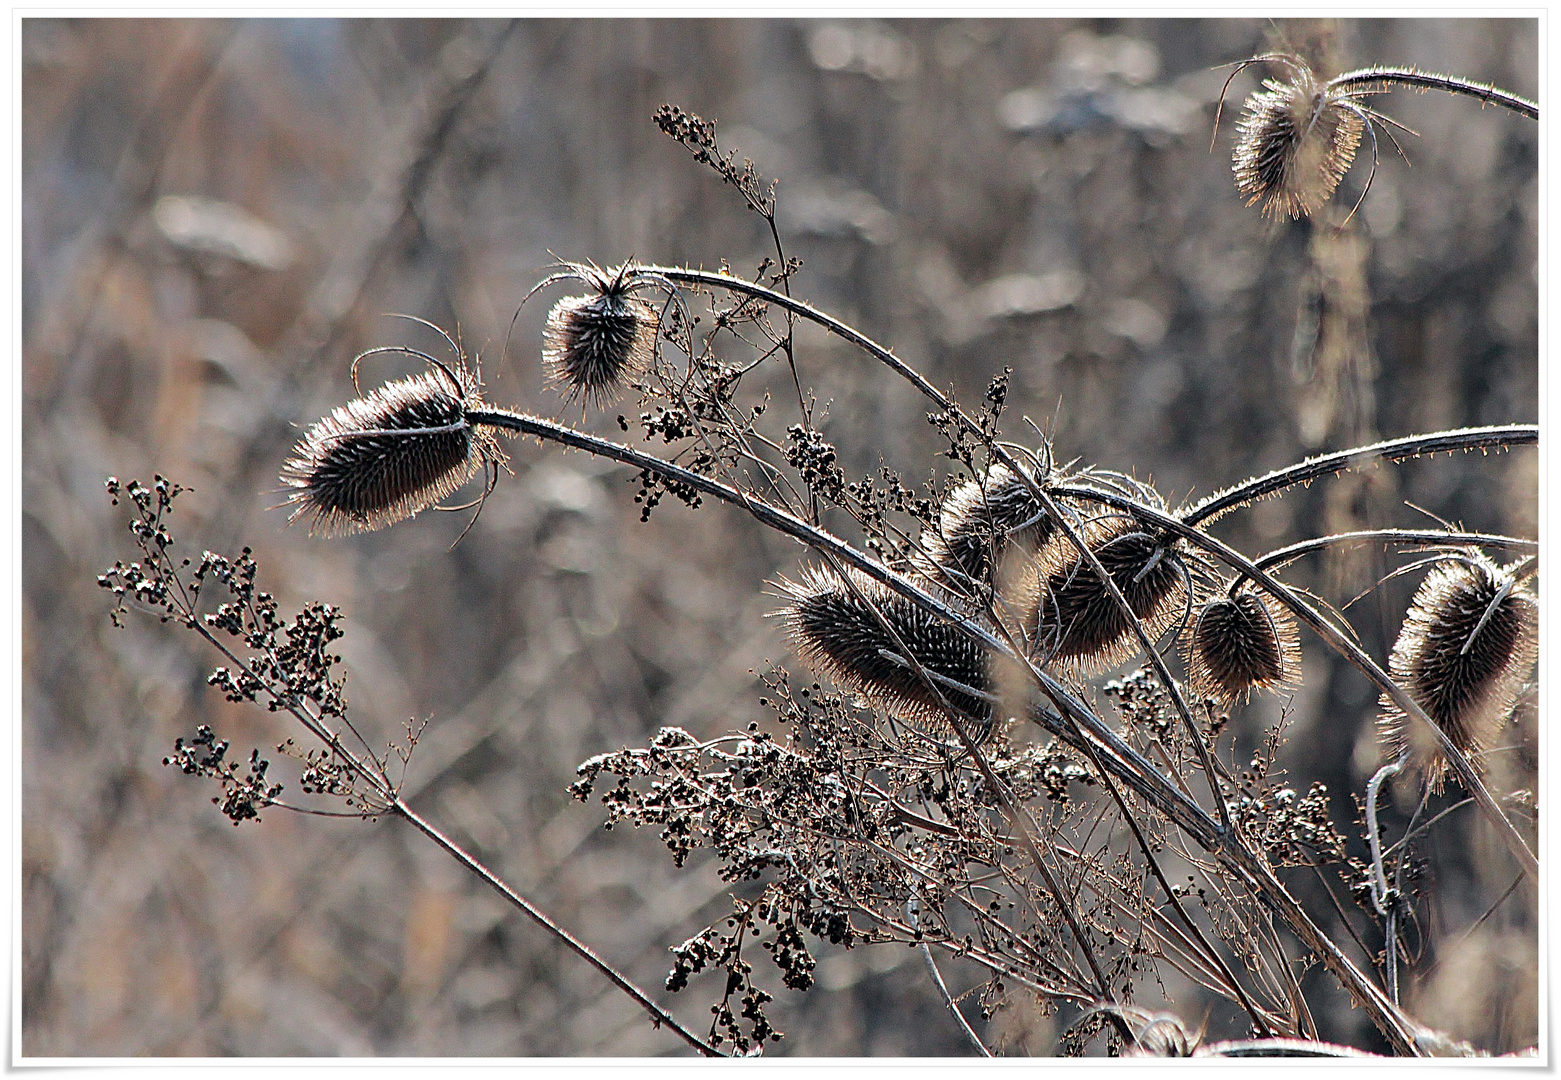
(216, 215)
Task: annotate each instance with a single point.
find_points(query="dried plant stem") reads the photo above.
(1123, 760)
(1386, 905)
(1393, 536)
(1477, 438)
(659, 1016)
(1366, 79)
(942, 987)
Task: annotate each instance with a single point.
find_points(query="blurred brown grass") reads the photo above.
(1034, 194)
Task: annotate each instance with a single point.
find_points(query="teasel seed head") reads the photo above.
(1241, 642)
(594, 344)
(833, 628)
(977, 520)
(1295, 141)
(382, 458)
(1468, 642)
(1078, 622)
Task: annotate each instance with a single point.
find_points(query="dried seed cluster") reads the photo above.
(594, 344)
(1295, 141)
(979, 522)
(383, 458)
(832, 623)
(1242, 642)
(1468, 642)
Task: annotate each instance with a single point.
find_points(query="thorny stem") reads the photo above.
(1391, 536)
(1366, 80)
(659, 1016)
(1477, 438)
(1126, 762)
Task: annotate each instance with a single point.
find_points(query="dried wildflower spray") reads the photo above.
(1469, 639)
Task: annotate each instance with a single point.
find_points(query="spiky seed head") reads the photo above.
(1294, 143)
(594, 344)
(832, 627)
(1241, 643)
(1078, 623)
(979, 520)
(356, 471)
(1468, 642)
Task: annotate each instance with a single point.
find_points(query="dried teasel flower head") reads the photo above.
(594, 344)
(1241, 641)
(831, 623)
(1078, 622)
(1468, 643)
(980, 522)
(384, 457)
(1295, 141)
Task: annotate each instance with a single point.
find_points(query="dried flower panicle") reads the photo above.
(594, 344)
(1078, 622)
(1468, 642)
(1241, 642)
(832, 626)
(385, 457)
(1295, 141)
(979, 522)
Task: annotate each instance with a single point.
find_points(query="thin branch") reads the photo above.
(659, 1016)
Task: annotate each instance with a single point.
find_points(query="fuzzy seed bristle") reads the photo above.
(832, 627)
(1079, 623)
(1468, 642)
(978, 524)
(1242, 643)
(1294, 144)
(383, 458)
(594, 344)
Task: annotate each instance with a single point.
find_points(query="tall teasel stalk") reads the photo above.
(1298, 136)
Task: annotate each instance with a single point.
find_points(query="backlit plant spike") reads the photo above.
(593, 345)
(1241, 643)
(832, 626)
(1079, 623)
(980, 519)
(385, 457)
(1468, 642)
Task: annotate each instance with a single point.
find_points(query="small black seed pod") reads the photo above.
(1468, 642)
(1079, 623)
(1240, 643)
(594, 344)
(833, 629)
(1294, 144)
(979, 520)
(355, 471)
